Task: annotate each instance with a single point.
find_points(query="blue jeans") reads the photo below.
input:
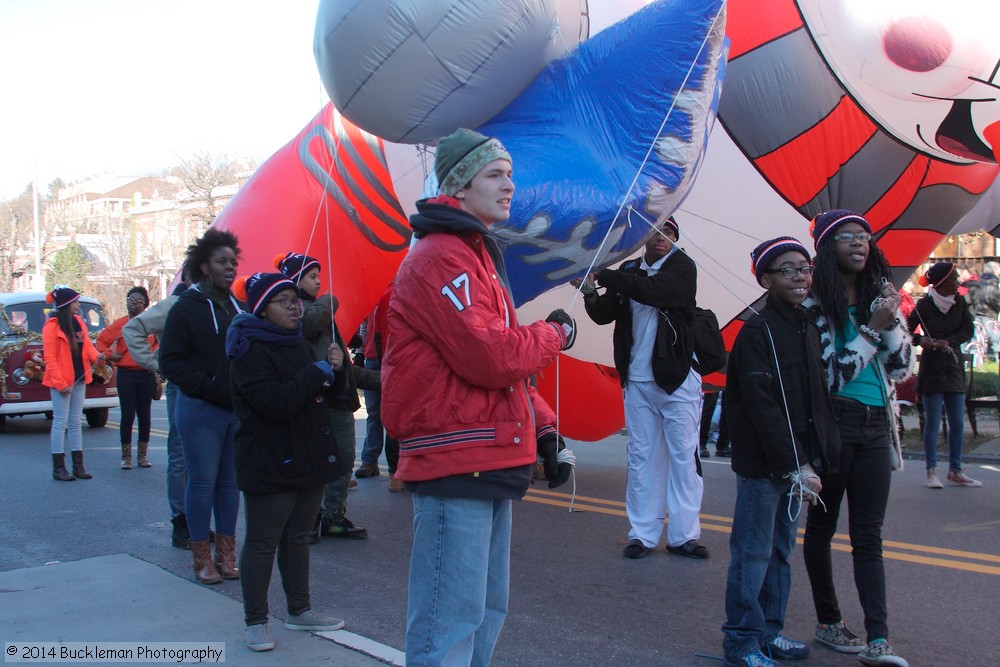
(67, 414)
(375, 434)
(863, 476)
(760, 575)
(954, 408)
(176, 470)
(459, 578)
(207, 435)
(335, 497)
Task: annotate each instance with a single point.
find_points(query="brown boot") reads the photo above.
(142, 448)
(126, 456)
(225, 556)
(78, 470)
(59, 471)
(204, 570)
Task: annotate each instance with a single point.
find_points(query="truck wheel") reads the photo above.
(96, 417)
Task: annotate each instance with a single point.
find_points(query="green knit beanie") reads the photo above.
(461, 155)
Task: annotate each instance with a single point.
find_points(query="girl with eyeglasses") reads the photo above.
(866, 349)
(285, 449)
(135, 383)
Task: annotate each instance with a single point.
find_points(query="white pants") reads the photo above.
(663, 432)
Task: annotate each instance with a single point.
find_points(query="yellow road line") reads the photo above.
(712, 523)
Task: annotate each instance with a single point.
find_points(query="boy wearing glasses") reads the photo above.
(783, 433)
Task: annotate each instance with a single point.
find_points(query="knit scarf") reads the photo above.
(246, 329)
(943, 303)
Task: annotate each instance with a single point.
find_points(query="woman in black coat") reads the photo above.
(285, 452)
(945, 323)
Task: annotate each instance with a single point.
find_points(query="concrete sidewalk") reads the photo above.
(120, 598)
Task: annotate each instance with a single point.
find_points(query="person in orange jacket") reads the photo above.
(69, 359)
(135, 383)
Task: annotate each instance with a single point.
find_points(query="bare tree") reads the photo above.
(203, 174)
(17, 238)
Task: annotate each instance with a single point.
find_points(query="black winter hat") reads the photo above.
(258, 289)
(762, 256)
(294, 265)
(936, 275)
(825, 224)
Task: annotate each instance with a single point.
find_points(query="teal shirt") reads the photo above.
(866, 388)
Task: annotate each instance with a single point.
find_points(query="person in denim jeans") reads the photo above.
(456, 393)
(193, 356)
(866, 348)
(945, 321)
(783, 433)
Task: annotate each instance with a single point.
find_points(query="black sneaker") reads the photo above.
(635, 549)
(704, 453)
(179, 536)
(724, 452)
(342, 527)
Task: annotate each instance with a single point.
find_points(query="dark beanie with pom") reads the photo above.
(937, 274)
(294, 265)
(258, 289)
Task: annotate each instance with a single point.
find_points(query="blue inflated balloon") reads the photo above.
(621, 122)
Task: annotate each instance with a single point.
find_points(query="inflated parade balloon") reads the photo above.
(327, 194)
(413, 72)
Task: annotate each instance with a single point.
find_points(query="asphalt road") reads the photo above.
(574, 599)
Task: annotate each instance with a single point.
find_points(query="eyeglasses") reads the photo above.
(847, 237)
(135, 298)
(789, 272)
(288, 303)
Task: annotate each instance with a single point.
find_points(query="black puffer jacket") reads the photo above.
(942, 371)
(755, 407)
(284, 441)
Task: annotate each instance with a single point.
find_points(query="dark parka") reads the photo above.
(942, 371)
(673, 289)
(762, 446)
(284, 441)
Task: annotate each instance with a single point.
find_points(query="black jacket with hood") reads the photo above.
(193, 351)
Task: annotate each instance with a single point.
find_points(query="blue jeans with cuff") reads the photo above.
(760, 575)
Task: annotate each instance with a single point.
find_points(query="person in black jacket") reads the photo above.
(285, 450)
(652, 301)
(945, 322)
(783, 433)
(320, 330)
(193, 356)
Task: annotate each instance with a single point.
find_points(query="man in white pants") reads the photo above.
(651, 301)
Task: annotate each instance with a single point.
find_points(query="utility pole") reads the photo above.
(39, 283)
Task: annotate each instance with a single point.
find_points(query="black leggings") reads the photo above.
(277, 522)
(135, 396)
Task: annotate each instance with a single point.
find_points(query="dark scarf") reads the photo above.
(246, 329)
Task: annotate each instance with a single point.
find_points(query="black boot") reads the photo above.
(59, 471)
(78, 470)
(179, 537)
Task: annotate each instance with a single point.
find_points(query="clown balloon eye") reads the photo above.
(917, 44)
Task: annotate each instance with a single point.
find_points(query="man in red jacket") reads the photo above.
(456, 393)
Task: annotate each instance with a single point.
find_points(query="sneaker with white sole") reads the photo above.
(878, 652)
(959, 478)
(783, 648)
(839, 638)
(313, 621)
(258, 637)
(933, 481)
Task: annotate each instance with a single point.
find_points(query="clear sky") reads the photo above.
(132, 86)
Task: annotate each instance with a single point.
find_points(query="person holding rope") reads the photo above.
(456, 392)
(70, 357)
(866, 349)
(285, 450)
(320, 330)
(946, 323)
(783, 434)
(651, 301)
